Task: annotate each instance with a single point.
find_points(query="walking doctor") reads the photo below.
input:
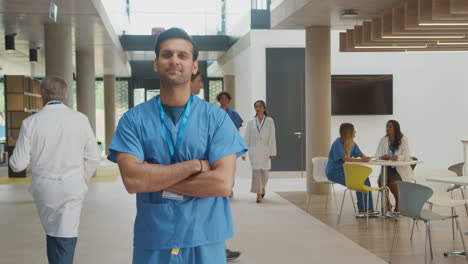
(261, 141)
(61, 148)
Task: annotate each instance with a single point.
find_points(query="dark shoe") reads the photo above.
(232, 255)
(263, 195)
(259, 201)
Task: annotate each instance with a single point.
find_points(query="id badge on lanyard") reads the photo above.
(174, 148)
(259, 129)
(392, 149)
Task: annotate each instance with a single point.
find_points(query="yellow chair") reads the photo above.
(355, 176)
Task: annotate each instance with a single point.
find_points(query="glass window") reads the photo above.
(138, 96)
(215, 87)
(121, 94)
(201, 17)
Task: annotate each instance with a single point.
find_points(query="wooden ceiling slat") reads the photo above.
(411, 18)
(398, 25)
(400, 29)
(458, 6)
(441, 11)
(427, 14)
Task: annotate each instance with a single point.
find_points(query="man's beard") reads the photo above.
(170, 81)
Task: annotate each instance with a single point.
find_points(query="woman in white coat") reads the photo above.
(261, 140)
(394, 146)
(60, 146)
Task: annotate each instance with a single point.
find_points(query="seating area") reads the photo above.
(401, 235)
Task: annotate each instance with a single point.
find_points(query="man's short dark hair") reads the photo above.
(223, 93)
(194, 76)
(175, 33)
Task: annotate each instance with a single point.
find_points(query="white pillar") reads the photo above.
(86, 86)
(59, 55)
(318, 100)
(109, 108)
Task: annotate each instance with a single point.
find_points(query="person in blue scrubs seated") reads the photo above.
(344, 149)
(224, 98)
(178, 154)
(196, 85)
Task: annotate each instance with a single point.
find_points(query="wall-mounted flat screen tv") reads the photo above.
(362, 94)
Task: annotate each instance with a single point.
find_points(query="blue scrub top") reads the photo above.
(335, 170)
(235, 117)
(209, 135)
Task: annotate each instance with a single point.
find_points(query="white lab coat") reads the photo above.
(403, 153)
(61, 148)
(261, 145)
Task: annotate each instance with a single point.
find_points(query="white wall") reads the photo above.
(246, 61)
(429, 93)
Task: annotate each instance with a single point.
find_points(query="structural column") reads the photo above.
(59, 55)
(86, 85)
(318, 100)
(230, 87)
(109, 107)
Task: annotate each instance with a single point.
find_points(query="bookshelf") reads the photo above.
(22, 99)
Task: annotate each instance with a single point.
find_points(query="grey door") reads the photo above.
(285, 84)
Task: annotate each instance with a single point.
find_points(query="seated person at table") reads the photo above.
(345, 150)
(394, 146)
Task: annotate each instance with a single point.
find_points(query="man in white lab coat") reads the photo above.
(61, 148)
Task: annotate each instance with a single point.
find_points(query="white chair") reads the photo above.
(458, 168)
(441, 196)
(319, 176)
(412, 199)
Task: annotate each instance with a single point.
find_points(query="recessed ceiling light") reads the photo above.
(451, 43)
(426, 37)
(349, 13)
(391, 47)
(443, 24)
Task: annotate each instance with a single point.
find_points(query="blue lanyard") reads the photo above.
(174, 150)
(392, 149)
(263, 122)
(55, 102)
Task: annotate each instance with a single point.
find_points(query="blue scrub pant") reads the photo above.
(361, 197)
(207, 254)
(61, 250)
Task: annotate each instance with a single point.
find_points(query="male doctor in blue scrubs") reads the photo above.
(178, 154)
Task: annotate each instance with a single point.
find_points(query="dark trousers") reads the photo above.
(61, 250)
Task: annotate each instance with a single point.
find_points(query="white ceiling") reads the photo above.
(299, 14)
(91, 30)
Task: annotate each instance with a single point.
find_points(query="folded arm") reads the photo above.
(141, 177)
(217, 182)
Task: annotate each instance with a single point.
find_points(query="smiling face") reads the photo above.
(175, 63)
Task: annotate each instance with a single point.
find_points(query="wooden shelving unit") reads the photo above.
(22, 99)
